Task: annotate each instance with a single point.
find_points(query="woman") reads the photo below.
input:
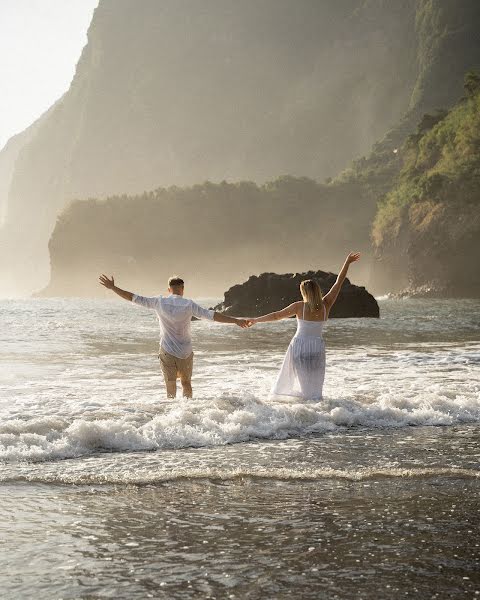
(303, 369)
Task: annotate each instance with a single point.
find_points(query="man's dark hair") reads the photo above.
(175, 281)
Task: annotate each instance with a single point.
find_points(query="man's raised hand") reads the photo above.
(105, 281)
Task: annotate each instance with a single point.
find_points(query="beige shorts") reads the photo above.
(174, 367)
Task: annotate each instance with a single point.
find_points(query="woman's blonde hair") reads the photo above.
(312, 294)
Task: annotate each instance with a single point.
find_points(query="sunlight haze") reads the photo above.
(40, 44)
(239, 299)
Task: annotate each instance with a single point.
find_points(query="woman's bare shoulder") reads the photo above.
(298, 306)
(294, 305)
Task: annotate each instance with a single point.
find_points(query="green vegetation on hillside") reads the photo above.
(441, 163)
(428, 193)
(431, 216)
(447, 46)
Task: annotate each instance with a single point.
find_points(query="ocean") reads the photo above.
(109, 490)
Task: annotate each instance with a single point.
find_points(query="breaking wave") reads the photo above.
(208, 422)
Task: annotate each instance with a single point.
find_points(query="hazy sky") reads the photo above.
(40, 44)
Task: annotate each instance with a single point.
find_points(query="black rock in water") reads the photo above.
(270, 292)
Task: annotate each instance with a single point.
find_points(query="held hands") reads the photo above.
(105, 281)
(244, 323)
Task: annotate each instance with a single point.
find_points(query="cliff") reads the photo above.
(10, 236)
(171, 92)
(427, 228)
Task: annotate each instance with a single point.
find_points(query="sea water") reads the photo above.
(108, 489)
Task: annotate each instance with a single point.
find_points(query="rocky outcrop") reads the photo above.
(270, 292)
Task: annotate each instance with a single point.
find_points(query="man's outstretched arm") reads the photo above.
(110, 285)
(221, 318)
(209, 314)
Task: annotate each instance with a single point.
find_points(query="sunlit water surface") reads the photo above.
(109, 490)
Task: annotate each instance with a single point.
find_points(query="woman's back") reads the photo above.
(311, 322)
(309, 315)
(303, 368)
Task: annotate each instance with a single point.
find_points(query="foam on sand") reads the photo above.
(225, 474)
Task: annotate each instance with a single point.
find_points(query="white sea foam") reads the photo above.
(229, 419)
(81, 377)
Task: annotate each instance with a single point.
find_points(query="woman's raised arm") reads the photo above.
(332, 295)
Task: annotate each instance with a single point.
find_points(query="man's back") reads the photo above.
(174, 314)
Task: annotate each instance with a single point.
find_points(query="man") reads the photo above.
(174, 315)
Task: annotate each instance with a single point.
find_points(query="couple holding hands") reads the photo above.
(303, 369)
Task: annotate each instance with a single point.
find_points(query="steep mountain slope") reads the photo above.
(448, 47)
(427, 229)
(179, 91)
(8, 158)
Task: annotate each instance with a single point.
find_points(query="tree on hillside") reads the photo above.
(472, 83)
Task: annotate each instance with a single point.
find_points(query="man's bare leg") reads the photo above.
(187, 388)
(171, 388)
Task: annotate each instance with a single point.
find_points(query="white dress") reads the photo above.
(303, 368)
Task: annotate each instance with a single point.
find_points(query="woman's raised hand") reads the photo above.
(352, 257)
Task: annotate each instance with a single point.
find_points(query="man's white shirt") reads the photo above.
(174, 316)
